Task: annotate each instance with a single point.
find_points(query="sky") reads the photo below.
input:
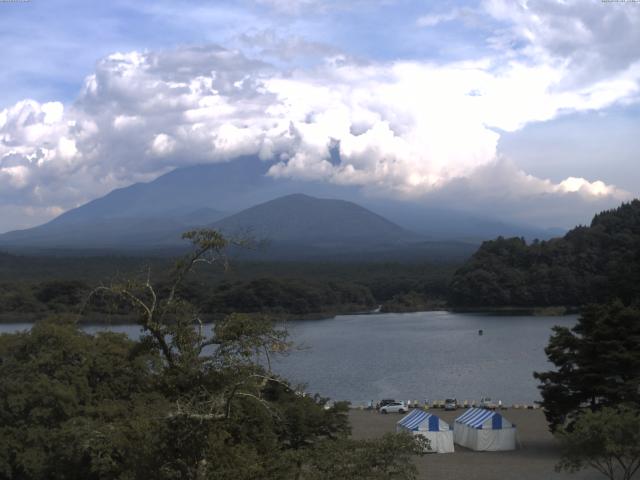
(524, 110)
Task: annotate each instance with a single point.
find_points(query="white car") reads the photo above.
(486, 402)
(394, 407)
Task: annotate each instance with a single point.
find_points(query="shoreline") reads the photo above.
(115, 319)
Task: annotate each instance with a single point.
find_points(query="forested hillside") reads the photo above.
(589, 264)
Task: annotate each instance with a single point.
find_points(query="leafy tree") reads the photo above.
(597, 363)
(186, 401)
(607, 440)
(18, 298)
(68, 398)
(66, 292)
(389, 457)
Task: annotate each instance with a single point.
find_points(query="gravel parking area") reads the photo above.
(534, 460)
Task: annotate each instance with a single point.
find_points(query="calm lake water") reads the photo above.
(418, 356)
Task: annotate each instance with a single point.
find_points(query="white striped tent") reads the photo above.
(485, 430)
(437, 431)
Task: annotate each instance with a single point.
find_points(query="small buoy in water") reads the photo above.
(480, 332)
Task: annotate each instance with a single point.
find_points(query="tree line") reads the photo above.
(265, 290)
(590, 264)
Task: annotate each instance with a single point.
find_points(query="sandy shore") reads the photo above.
(535, 460)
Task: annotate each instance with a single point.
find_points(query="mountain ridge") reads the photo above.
(302, 218)
(153, 214)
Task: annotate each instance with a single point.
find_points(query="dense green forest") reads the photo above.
(589, 264)
(33, 286)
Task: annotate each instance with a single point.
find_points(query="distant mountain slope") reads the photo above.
(224, 187)
(440, 223)
(149, 214)
(305, 220)
(219, 186)
(155, 213)
(110, 233)
(589, 264)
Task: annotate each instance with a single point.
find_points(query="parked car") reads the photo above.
(394, 407)
(386, 401)
(451, 404)
(486, 402)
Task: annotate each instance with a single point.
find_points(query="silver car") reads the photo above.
(451, 404)
(394, 407)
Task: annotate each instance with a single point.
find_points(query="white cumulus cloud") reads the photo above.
(405, 128)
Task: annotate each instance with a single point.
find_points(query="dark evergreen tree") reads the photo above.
(597, 363)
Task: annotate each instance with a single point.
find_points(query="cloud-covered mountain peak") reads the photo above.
(407, 124)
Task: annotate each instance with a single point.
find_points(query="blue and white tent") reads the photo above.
(437, 431)
(485, 430)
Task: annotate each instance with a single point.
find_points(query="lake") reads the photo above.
(417, 356)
